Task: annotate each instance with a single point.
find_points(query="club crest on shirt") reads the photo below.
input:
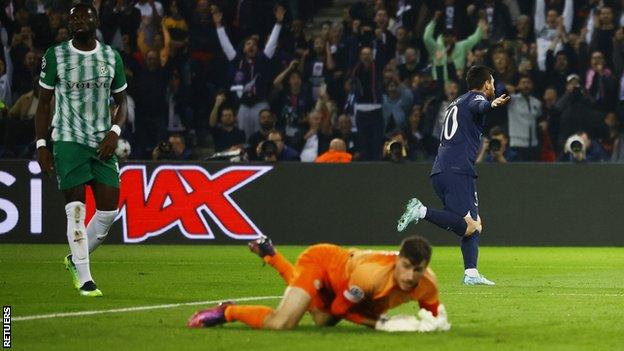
(103, 69)
(355, 294)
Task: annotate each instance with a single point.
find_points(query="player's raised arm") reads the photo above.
(271, 45)
(501, 101)
(226, 44)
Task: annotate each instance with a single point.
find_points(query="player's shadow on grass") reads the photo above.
(307, 329)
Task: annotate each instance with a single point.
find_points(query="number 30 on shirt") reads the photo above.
(451, 117)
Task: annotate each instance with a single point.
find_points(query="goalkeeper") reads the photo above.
(333, 283)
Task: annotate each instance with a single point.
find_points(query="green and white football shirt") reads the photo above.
(83, 82)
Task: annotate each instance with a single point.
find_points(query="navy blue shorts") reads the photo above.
(458, 193)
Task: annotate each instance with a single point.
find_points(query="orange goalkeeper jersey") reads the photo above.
(372, 273)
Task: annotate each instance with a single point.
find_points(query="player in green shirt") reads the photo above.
(82, 74)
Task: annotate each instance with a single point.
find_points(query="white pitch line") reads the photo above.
(256, 298)
(139, 308)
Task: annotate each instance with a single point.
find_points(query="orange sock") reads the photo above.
(281, 264)
(253, 316)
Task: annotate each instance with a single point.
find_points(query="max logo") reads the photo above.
(184, 197)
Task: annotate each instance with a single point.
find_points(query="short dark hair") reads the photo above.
(226, 108)
(525, 76)
(416, 249)
(477, 76)
(266, 110)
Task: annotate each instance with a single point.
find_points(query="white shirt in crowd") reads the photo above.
(310, 149)
(146, 9)
(523, 113)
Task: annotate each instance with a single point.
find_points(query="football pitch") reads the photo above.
(545, 299)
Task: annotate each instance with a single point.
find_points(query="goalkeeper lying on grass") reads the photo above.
(333, 283)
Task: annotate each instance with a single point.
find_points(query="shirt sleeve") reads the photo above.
(479, 104)
(119, 80)
(358, 287)
(48, 77)
(430, 300)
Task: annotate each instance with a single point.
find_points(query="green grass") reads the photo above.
(545, 299)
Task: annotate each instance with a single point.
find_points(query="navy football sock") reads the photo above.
(470, 250)
(447, 220)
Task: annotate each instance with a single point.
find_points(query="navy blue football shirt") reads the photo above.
(461, 134)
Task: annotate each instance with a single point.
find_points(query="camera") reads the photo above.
(495, 145)
(268, 150)
(395, 151)
(576, 146)
(164, 147)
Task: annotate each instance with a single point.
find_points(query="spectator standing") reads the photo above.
(313, 142)
(151, 83)
(446, 53)
(547, 25)
(345, 132)
(367, 85)
(416, 138)
(397, 103)
(293, 102)
(600, 83)
(409, 69)
(251, 77)
(319, 66)
(224, 132)
(524, 111)
(603, 32)
(119, 18)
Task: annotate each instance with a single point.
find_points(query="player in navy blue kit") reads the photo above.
(453, 175)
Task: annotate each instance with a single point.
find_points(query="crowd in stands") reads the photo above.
(260, 80)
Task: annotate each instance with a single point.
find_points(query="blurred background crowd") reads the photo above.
(337, 81)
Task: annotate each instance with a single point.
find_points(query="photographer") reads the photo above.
(494, 148)
(579, 148)
(395, 149)
(267, 122)
(576, 110)
(274, 149)
(172, 149)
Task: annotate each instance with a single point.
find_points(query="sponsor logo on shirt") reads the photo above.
(87, 85)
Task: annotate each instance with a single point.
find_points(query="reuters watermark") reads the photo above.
(6, 327)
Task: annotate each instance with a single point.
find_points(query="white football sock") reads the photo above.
(77, 238)
(97, 230)
(472, 272)
(422, 211)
